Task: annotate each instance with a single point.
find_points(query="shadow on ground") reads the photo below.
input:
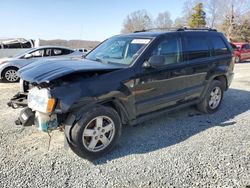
(174, 128)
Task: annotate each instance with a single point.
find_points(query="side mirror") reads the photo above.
(154, 61)
(28, 56)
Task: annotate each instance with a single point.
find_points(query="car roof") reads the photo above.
(62, 47)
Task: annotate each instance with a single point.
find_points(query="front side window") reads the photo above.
(38, 53)
(196, 47)
(170, 49)
(121, 50)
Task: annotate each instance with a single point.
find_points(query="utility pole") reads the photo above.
(231, 23)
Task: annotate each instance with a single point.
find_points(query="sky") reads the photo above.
(75, 19)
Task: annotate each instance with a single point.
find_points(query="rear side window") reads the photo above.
(196, 47)
(170, 49)
(219, 46)
(26, 45)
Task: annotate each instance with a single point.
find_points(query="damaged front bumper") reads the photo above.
(44, 122)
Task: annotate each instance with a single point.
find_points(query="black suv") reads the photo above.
(125, 80)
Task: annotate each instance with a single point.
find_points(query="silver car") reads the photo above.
(9, 66)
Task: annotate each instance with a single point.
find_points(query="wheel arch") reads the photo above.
(118, 107)
(8, 67)
(223, 80)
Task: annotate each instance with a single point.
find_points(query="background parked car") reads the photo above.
(13, 46)
(9, 66)
(241, 51)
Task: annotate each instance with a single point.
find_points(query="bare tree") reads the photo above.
(214, 8)
(234, 10)
(180, 22)
(163, 20)
(137, 21)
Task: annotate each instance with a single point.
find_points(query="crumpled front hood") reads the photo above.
(48, 70)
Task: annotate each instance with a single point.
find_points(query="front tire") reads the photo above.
(10, 75)
(96, 133)
(212, 99)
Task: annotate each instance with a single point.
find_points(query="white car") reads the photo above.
(9, 66)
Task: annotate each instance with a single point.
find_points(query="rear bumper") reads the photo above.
(230, 77)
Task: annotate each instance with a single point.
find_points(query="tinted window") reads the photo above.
(170, 49)
(47, 52)
(246, 46)
(65, 51)
(26, 45)
(218, 45)
(14, 45)
(38, 53)
(196, 47)
(57, 52)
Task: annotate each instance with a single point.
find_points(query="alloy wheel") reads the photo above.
(215, 98)
(98, 134)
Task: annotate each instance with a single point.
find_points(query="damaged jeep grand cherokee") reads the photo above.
(125, 80)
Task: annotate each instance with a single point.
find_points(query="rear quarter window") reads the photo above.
(196, 47)
(219, 46)
(66, 51)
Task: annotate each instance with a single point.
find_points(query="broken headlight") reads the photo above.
(40, 100)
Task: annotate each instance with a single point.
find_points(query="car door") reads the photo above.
(196, 53)
(164, 86)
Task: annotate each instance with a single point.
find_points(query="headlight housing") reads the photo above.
(40, 100)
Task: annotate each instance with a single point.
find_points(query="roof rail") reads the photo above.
(176, 29)
(158, 29)
(196, 29)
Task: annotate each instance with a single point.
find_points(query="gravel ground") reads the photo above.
(181, 149)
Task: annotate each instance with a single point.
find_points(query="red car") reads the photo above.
(241, 51)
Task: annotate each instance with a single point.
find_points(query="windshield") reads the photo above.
(122, 50)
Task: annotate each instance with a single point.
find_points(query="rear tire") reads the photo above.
(96, 133)
(212, 99)
(10, 75)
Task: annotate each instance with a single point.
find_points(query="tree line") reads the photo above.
(232, 17)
